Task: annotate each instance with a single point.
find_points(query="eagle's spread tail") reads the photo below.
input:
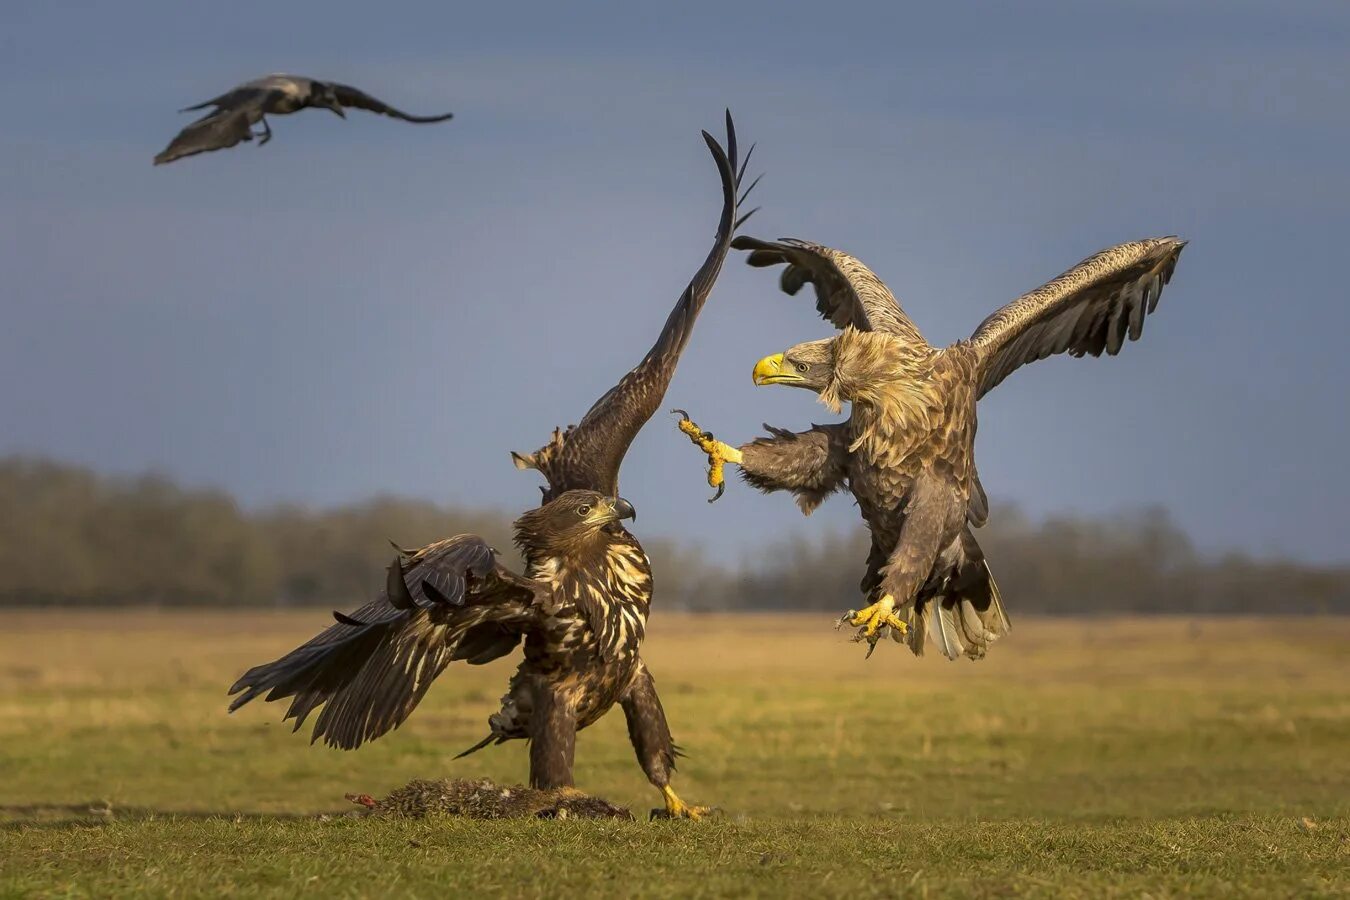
(965, 617)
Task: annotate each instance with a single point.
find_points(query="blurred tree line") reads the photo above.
(69, 536)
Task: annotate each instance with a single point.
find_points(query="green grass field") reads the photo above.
(1133, 757)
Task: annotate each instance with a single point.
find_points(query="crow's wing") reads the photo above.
(352, 97)
(450, 600)
(1089, 309)
(848, 294)
(255, 94)
(588, 455)
(223, 128)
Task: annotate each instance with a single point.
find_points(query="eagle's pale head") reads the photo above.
(809, 365)
(570, 523)
(851, 366)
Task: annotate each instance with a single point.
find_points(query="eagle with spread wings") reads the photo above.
(580, 607)
(907, 450)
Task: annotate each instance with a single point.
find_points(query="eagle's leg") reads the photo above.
(810, 464)
(933, 511)
(650, 734)
(719, 454)
(267, 131)
(553, 739)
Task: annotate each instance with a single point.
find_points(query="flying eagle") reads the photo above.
(907, 451)
(239, 109)
(580, 607)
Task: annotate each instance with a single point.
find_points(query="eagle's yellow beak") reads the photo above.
(769, 370)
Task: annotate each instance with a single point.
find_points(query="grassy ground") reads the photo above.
(1112, 757)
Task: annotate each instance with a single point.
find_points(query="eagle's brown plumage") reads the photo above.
(907, 450)
(581, 607)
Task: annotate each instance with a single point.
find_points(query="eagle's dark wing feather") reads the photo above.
(589, 454)
(450, 600)
(848, 294)
(1089, 309)
(223, 128)
(352, 97)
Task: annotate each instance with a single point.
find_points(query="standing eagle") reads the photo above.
(580, 607)
(239, 109)
(907, 451)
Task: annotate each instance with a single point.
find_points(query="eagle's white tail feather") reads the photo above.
(964, 621)
(999, 623)
(949, 640)
(971, 625)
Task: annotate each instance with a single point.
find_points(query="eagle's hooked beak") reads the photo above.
(769, 370)
(622, 509)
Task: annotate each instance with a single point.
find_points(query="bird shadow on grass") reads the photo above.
(15, 817)
(459, 798)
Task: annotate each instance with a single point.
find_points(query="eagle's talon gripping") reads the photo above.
(677, 809)
(719, 454)
(874, 623)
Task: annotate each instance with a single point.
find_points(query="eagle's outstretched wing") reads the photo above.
(588, 455)
(448, 601)
(352, 97)
(1089, 309)
(848, 294)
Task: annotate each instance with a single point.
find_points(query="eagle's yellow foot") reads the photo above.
(718, 453)
(874, 622)
(678, 809)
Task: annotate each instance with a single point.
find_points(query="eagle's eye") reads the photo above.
(802, 367)
(584, 509)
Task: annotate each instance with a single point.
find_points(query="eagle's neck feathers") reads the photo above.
(609, 581)
(896, 402)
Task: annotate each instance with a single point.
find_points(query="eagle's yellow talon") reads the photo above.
(719, 454)
(874, 622)
(678, 809)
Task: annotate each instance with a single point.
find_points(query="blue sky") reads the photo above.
(367, 306)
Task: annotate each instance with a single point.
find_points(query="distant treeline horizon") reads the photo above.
(70, 536)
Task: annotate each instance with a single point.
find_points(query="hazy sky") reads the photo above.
(369, 306)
